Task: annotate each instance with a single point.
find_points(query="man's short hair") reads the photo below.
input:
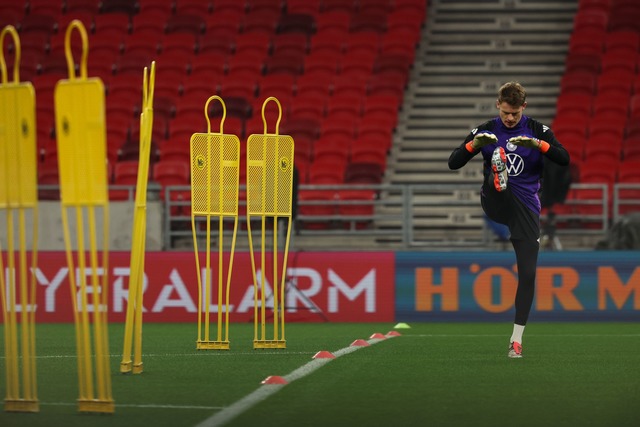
(513, 93)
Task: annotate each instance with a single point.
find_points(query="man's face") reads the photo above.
(510, 114)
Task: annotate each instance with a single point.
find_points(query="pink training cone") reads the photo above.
(393, 334)
(377, 336)
(274, 379)
(324, 355)
(359, 343)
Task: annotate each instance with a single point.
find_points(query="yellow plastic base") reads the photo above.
(21, 405)
(96, 406)
(125, 367)
(269, 344)
(137, 369)
(212, 345)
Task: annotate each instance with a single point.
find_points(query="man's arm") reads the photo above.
(470, 147)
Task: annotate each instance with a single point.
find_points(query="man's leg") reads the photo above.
(527, 261)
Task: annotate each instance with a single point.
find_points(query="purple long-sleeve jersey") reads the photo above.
(524, 165)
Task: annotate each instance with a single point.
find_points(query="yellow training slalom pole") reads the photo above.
(18, 194)
(269, 195)
(133, 324)
(215, 176)
(81, 135)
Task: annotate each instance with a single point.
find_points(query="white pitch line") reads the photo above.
(207, 354)
(147, 405)
(266, 390)
(528, 335)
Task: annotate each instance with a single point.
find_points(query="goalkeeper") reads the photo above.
(514, 148)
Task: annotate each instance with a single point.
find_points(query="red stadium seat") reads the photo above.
(124, 174)
(331, 150)
(169, 173)
(358, 204)
(315, 208)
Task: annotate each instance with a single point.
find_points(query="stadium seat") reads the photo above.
(386, 107)
(587, 41)
(319, 83)
(189, 24)
(618, 60)
(228, 5)
(209, 62)
(317, 207)
(331, 40)
(629, 171)
(631, 149)
(256, 44)
(310, 7)
(331, 150)
(338, 127)
(572, 125)
(276, 84)
(260, 23)
(125, 173)
(302, 129)
(615, 82)
(242, 85)
(405, 20)
(308, 106)
(634, 106)
(376, 126)
(357, 66)
(111, 23)
(248, 63)
(284, 63)
(351, 85)
(580, 104)
(595, 171)
(48, 174)
(174, 150)
(150, 22)
(358, 204)
(169, 173)
(291, 43)
(612, 105)
(601, 5)
(118, 6)
(344, 105)
(400, 41)
(265, 6)
(336, 20)
(326, 172)
(322, 61)
(300, 23)
(583, 61)
(623, 41)
(363, 173)
(388, 83)
(142, 43)
(591, 18)
(608, 150)
(193, 7)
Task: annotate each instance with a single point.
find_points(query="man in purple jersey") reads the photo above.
(514, 148)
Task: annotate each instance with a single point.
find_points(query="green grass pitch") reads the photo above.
(434, 374)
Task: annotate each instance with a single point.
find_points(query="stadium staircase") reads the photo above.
(462, 60)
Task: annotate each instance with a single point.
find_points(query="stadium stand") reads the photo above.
(358, 70)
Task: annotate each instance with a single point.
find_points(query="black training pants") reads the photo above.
(524, 226)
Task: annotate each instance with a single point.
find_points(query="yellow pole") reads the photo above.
(133, 324)
(214, 194)
(269, 186)
(80, 130)
(18, 193)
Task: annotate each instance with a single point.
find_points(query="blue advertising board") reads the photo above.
(594, 285)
